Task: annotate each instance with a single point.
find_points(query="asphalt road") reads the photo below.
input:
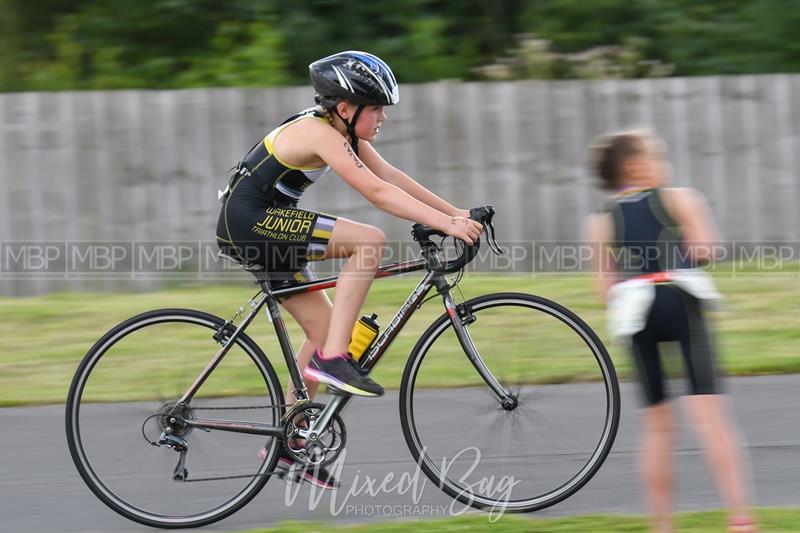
(40, 490)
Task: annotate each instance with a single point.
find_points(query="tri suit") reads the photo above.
(646, 244)
(259, 221)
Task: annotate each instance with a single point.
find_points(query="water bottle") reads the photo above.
(365, 331)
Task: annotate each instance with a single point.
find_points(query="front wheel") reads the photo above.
(123, 400)
(528, 453)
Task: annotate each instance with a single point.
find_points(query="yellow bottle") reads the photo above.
(364, 333)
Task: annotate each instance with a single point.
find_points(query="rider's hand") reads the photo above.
(464, 228)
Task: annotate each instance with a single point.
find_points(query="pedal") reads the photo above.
(293, 474)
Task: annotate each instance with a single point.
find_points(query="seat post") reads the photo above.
(262, 279)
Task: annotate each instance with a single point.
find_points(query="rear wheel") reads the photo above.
(123, 397)
(533, 450)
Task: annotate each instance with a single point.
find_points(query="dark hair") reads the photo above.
(610, 152)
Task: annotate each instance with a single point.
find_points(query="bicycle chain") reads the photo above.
(280, 474)
(222, 478)
(238, 408)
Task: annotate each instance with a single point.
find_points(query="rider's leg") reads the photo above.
(312, 311)
(363, 245)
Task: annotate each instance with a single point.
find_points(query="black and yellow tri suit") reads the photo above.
(259, 221)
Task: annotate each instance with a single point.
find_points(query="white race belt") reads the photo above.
(629, 301)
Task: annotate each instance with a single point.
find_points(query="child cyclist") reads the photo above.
(657, 234)
(261, 223)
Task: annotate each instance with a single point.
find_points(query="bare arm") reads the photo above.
(336, 152)
(403, 181)
(690, 210)
(598, 232)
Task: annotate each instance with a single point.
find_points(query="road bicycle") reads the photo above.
(141, 436)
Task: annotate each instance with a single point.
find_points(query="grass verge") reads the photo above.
(770, 520)
(45, 337)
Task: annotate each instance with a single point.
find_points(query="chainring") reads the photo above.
(313, 450)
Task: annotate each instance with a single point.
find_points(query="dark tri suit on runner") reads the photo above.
(647, 240)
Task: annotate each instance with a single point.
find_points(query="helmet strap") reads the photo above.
(351, 126)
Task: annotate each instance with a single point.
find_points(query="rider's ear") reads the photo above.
(343, 109)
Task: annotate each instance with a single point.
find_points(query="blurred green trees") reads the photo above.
(106, 44)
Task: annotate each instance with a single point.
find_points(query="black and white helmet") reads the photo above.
(357, 77)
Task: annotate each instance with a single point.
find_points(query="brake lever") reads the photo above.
(485, 215)
(490, 238)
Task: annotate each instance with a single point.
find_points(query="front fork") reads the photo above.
(460, 317)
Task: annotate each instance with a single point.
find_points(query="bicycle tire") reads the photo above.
(75, 439)
(439, 475)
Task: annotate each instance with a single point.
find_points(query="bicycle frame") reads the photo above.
(370, 358)
(313, 435)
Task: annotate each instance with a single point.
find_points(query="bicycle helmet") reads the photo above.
(357, 77)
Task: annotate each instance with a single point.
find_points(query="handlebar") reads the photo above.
(484, 215)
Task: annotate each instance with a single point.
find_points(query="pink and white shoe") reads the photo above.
(339, 372)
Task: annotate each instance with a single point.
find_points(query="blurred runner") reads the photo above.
(648, 242)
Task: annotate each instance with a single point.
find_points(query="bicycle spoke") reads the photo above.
(143, 373)
(553, 437)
